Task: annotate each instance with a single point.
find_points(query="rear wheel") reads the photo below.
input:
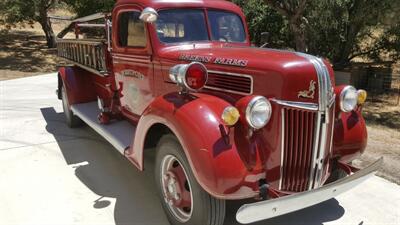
(71, 119)
(182, 198)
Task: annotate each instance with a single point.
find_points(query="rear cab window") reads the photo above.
(132, 31)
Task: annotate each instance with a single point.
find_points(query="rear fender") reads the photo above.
(78, 84)
(195, 120)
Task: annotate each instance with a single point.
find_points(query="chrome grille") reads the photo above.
(304, 165)
(298, 144)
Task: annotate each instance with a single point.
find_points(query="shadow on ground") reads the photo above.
(25, 52)
(108, 174)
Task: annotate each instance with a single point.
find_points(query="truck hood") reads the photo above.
(276, 73)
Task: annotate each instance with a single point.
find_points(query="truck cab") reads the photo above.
(227, 120)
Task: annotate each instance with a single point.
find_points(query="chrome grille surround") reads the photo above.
(323, 126)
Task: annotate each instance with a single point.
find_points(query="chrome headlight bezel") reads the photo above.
(258, 101)
(348, 99)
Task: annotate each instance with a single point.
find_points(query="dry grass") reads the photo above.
(383, 142)
(24, 54)
(383, 110)
(23, 50)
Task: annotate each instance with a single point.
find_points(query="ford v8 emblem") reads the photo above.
(308, 93)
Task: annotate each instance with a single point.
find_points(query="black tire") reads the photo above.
(336, 174)
(70, 118)
(205, 210)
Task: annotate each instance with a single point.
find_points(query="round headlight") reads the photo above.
(348, 99)
(258, 112)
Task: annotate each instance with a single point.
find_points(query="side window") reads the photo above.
(132, 31)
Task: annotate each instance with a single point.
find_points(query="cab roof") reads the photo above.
(160, 4)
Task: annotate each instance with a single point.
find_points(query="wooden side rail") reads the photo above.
(88, 54)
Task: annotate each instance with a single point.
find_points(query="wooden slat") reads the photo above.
(85, 53)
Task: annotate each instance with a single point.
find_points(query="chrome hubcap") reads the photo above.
(176, 188)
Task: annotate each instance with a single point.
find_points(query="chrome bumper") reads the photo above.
(257, 211)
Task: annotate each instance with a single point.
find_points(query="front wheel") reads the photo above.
(182, 198)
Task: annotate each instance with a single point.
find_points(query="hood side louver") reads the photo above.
(230, 82)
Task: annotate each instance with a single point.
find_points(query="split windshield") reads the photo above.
(189, 25)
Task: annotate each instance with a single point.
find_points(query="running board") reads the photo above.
(119, 133)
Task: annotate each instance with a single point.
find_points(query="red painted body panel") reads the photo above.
(217, 165)
(229, 171)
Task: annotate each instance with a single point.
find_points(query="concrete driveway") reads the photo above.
(50, 174)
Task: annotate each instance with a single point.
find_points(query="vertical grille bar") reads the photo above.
(298, 144)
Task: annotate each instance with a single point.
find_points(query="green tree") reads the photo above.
(340, 30)
(293, 11)
(88, 7)
(16, 11)
(262, 18)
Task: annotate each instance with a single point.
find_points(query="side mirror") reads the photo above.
(264, 39)
(149, 15)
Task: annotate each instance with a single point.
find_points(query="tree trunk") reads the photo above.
(65, 30)
(47, 29)
(293, 11)
(298, 35)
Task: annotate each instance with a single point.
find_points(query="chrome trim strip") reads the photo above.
(332, 129)
(299, 105)
(232, 74)
(282, 146)
(320, 157)
(326, 95)
(100, 73)
(325, 91)
(262, 210)
(314, 164)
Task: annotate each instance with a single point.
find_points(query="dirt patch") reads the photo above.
(24, 53)
(383, 142)
(23, 49)
(383, 111)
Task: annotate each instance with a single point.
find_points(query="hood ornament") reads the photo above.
(308, 93)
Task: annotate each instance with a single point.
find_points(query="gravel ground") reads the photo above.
(383, 141)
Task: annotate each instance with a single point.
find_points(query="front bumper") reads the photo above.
(262, 210)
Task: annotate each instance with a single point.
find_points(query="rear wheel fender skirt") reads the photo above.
(195, 120)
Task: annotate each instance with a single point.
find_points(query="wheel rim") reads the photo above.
(176, 188)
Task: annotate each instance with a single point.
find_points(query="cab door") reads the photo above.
(132, 61)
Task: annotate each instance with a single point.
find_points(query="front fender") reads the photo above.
(195, 119)
(350, 136)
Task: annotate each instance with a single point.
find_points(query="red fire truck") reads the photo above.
(227, 120)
